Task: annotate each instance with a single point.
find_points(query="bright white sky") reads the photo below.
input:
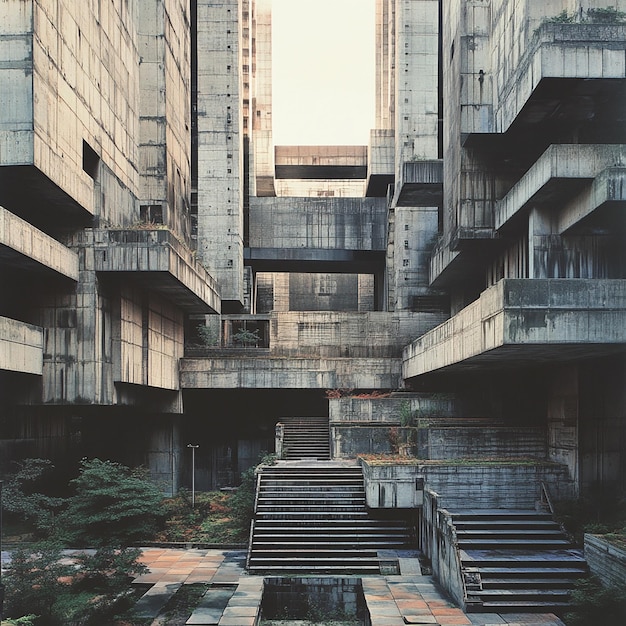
(323, 71)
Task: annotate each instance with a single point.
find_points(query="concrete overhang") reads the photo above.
(289, 373)
(560, 173)
(28, 192)
(524, 321)
(25, 247)
(600, 208)
(421, 184)
(314, 260)
(21, 347)
(161, 263)
(380, 162)
(546, 83)
(320, 162)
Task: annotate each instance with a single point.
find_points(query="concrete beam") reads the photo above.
(21, 347)
(318, 223)
(23, 244)
(554, 174)
(289, 373)
(161, 262)
(521, 320)
(320, 162)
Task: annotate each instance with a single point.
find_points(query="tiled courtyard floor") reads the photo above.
(391, 600)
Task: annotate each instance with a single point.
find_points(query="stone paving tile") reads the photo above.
(153, 601)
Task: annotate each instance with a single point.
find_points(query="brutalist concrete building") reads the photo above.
(170, 276)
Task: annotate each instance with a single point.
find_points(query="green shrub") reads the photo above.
(89, 591)
(592, 604)
(608, 15)
(112, 505)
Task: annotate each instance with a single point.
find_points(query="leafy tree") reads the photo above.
(21, 495)
(247, 337)
(35, 579)
(112, 505)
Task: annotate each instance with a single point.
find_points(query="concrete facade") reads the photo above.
(472, 253)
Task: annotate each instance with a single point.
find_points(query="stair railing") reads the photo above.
(256, 502)
(546, 500)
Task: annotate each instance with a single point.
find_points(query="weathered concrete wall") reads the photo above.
(415, 231)
(392, 486)
(21, 347)
(438, 542)
(165, 111)
(352, 335)
(563, 420)
(416, 97)
(389, 410)
(324, 292)
(220, 144)
(260, 121)
(496, 486)
(92, 96)
(473, 485)
(602, 425)
(16, 84)
(150, 340)
(605, 560)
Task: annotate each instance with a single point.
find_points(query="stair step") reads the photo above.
(519, 606)
(489, 583)
(531, 571)
(504, 534)
(521, 543)
(325, 568)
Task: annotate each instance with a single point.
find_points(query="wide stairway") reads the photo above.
(306, 438)
(516, 561)
(314, 520)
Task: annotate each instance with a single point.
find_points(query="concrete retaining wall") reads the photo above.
(467, 486)
(606, 561)
(439, 545)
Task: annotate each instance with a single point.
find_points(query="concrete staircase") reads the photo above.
(306, 438)
(314, 520)
(515, 561)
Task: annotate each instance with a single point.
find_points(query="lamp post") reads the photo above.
(1, 585)
(193, 474)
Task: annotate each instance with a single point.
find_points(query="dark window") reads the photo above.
(151, 213)
(90, 160)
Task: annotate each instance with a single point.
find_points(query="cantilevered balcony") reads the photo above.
(21, 347)
(421, 184)
(161, 263)
(525, 321)
(567, 75)
(26, 247)
(561, 173)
